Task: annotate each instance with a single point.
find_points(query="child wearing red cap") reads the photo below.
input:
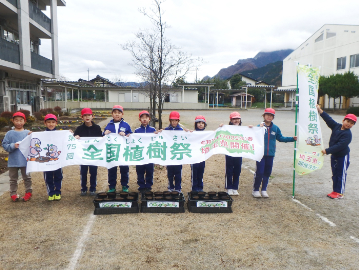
(233, 164)
(339, 148)
(197, 169)
(53, 179)
(264, 167)
(118, 126)
(174, 172)
(145, 183)
(88, 129)
(16, 160)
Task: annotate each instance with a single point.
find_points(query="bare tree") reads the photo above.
(157, 60)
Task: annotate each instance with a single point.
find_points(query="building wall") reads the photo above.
(324, 54)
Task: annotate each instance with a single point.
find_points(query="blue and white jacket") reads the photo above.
(123, 126)
(272, 135)
(146, 129)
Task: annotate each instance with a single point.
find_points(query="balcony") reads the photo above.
(13, 2)
(38, 16)
(9, 51)
(41, 63)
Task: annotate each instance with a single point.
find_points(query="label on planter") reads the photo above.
(115, 204)
(212, 204)
(168, 204)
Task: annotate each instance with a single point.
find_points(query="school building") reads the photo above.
(335, 49)
(22, 27)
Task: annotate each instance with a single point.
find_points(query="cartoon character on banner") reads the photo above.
(313, 141)
(34, 149)
(52, 152)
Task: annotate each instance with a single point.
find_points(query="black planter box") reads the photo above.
(209, 206)
(116, 207)
(162, 206)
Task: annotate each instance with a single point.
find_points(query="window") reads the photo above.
(320, 38)
(331, 34)
(341, 63)
(354, 60)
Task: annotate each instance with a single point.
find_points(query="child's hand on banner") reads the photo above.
(295, 138)
(107, 132)
(324, 152)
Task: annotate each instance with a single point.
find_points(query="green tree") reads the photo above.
(235, 81)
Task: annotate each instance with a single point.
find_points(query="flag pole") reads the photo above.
(295, 134)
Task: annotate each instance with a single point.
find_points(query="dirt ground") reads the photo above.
(273, 233)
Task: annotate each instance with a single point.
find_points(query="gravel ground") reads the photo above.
(274, 233)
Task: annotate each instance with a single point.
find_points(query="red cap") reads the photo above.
(86, 111)
(19, 114)
(234, 115)
(117, 107)
(50, 117)
(351, 117)
(200, 118)
(270, 111)
(142, 113)
(174, 115)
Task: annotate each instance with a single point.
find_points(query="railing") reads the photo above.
(13, 2)
(9, 51)
(41, 63)
(38, 16)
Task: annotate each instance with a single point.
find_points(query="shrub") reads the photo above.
(43, 112)
(7, 115)
(26, 112)
(39, 116)
(49, 110)
(57, 109)
(353, 110)
(3, 122)
(30, 119)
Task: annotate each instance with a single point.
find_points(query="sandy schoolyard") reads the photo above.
(309, 232)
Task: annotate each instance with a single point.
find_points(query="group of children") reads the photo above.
(117, 125)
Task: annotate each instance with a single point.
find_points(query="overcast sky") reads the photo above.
(221, 32)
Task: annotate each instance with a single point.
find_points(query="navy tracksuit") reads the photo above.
(53, 179)
(85, 131)
(339, 148)
(197, 171)
(264, 167)
(174, 171)
(147, 169)
(233, 171)
(124, 170)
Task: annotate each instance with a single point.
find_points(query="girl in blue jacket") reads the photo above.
(264, 167)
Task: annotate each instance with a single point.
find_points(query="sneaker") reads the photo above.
(170, 190)
(330, 195)
(235, 192)
(124, 189)
(57, 197)
(337, 196)
(51, 198)
(83, 193)
(256, 194)
(92, 193)
(180, 192)
(230, 191)
(111, 190)
(265, 194)
(27, 196)
(15, 198)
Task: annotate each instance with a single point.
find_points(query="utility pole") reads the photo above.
(88, 74)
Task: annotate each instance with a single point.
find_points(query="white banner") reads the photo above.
(50, 150)
(309, 157)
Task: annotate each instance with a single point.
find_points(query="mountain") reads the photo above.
(260, 60)
(271, 73)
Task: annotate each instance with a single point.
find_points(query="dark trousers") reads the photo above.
(142, 181)
(93, 177)
(263, 171)
(233, 171)
(174, 172)
(53, 181)
(340, 166)
(197, 171)
(112, 176)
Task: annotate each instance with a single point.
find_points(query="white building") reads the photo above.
(22, 27)
(333, 48)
